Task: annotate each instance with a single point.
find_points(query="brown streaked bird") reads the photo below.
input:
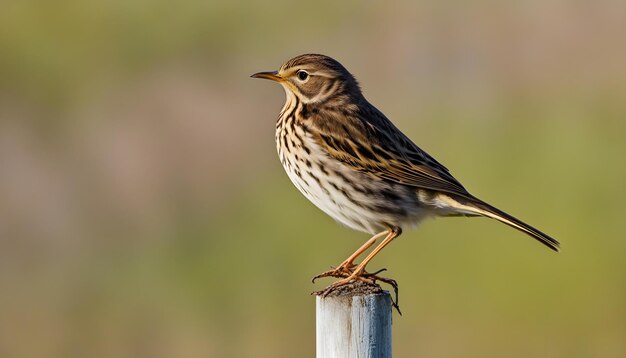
(347, 158)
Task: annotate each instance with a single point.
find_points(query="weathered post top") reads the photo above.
(354, 321)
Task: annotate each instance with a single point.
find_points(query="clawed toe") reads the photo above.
(339, 272)
(341, 284)
(348, 276)
(391, 282)
(373, 274)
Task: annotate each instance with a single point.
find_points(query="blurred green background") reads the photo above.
(144, 213)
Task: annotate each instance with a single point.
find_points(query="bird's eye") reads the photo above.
(302, 75)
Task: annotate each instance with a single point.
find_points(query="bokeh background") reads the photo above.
(144, 213)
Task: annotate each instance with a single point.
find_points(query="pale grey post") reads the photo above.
(353, 324)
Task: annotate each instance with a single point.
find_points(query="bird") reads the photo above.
(355, 165)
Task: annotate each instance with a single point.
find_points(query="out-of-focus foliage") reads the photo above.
(143, 212)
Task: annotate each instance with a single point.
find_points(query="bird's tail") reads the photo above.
(477, 206)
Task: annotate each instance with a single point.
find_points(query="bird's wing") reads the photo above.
(368, 142)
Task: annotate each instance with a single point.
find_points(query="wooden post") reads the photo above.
(354, 322)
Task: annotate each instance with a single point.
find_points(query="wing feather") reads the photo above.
(368, 142)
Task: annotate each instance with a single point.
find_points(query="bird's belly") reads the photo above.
(355, 199)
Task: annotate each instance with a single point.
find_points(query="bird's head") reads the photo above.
(313, 78)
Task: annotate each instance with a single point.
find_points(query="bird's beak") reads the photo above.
(271, 75)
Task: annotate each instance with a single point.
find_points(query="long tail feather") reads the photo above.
(478, 206)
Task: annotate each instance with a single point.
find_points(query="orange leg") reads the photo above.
(345, 268)
(359, 272)
(349, 262)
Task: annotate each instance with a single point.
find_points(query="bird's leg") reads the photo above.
(345, 268)
(359, 272)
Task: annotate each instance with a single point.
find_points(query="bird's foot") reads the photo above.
(343, 271)
(350, 276)
(391, 282)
